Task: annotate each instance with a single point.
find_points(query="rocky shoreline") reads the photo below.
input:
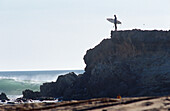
(131, 63)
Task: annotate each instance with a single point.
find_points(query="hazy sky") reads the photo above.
(55, 34)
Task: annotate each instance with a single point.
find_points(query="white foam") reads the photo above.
(13, 97)
(39, 78)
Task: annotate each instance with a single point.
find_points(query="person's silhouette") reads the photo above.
(115, 22)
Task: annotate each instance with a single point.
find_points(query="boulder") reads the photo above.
(58, 88)
(29, 94)
(3, 96)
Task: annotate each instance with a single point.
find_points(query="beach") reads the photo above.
(98, 104)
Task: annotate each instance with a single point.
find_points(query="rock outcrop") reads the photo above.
(58, 88)
(29, 94)
(3, 96)
(52, 89)
(130, 63)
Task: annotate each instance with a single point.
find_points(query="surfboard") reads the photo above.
(112, 20)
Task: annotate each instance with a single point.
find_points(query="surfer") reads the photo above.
(115, 22)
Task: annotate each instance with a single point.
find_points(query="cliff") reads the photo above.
(130, 63)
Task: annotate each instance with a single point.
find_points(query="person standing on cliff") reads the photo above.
(115, 22)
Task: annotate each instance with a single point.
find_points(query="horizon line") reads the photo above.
(39, 70)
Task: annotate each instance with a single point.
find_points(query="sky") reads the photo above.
(55, 34)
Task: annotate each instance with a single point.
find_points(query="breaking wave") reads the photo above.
(13, 87)
(13, 83)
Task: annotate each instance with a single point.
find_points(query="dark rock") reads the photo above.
(29, 94)
(3, 100)
(3, 96)
(46, 98)
(60, 99)
(20, 100)
(130, 63)
(58, 88)
(10, 102)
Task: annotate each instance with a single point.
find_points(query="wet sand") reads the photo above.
(99, 104)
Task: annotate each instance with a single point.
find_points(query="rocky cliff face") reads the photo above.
(130, 63)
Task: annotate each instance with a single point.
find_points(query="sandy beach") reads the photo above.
(99, 104)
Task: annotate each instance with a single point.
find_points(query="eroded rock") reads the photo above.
(3, 96)
(29, 94)
(58, 88)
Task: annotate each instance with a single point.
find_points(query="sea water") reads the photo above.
(14, 82)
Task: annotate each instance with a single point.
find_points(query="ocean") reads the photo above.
(12, 83)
